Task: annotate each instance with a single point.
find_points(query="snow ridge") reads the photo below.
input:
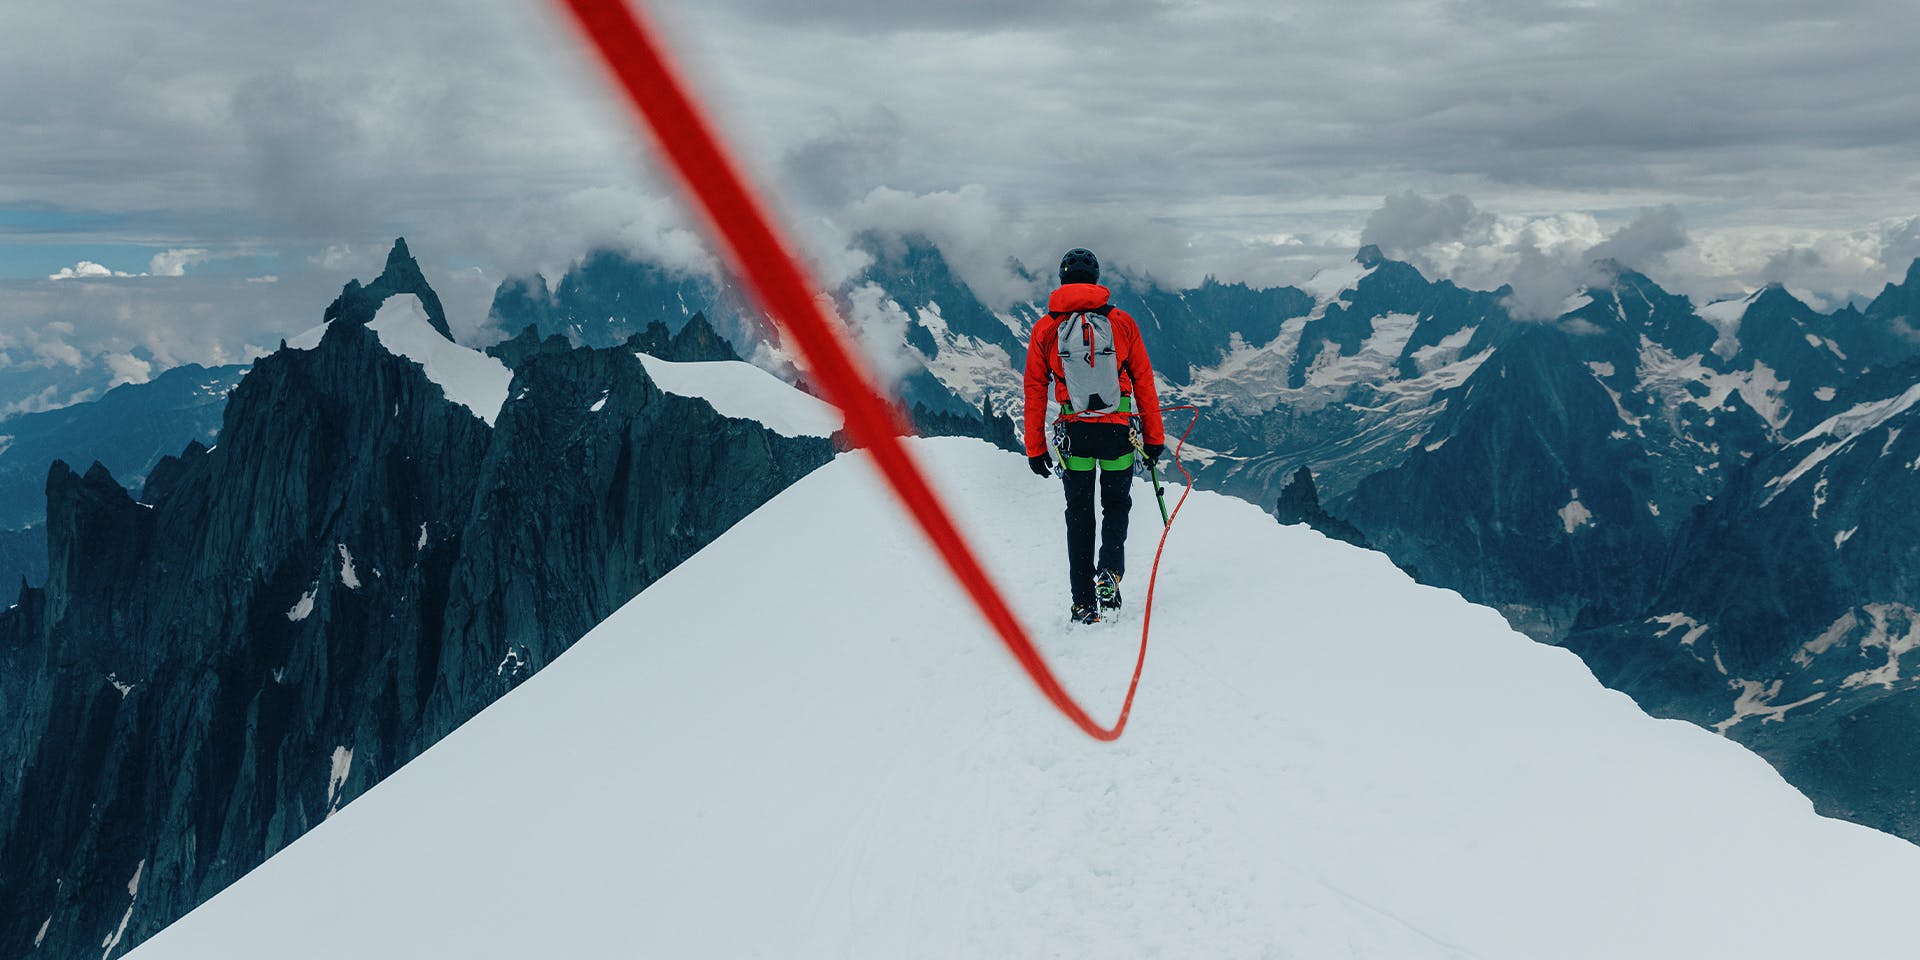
(1391, 773)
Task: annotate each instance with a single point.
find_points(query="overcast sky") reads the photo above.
(251, 156)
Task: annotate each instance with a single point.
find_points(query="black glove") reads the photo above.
(1154, 450)
(1042, 465)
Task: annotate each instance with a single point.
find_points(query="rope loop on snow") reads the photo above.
(630, 48)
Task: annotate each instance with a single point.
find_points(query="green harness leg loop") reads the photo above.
(1124, 462)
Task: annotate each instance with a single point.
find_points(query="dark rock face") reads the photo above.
(281, 621)
(1889, 329)
(128, 429)
(986, 424)
(1787, 608)
(1527, 495)
(1188, 329)
(23, 554)
(1300, 503)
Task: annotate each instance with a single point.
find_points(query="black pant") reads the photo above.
(1102, 441)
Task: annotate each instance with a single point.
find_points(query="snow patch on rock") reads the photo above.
(1328, 284)
(112, 942)
(1756, 700)
(467, 376)
(1888, 620)
(1838, 431)
(1672, 379)
(1575, 514)
(303, 607)
(1835, 632)
(742, 391)
(1725, 316)
(1675, 621)
(338, 767)
(349, 577)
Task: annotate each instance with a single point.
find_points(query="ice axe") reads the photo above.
(1153, 472)
(1159, 492)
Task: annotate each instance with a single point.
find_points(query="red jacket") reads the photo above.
(1043, 364)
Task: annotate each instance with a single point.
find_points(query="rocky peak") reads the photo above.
(1300, 503)
(357, 568)
(696, 342)
(516, 350)
(1899, 302)
(358, 304)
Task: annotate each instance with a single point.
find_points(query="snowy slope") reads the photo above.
(743, 391)
(801, 744)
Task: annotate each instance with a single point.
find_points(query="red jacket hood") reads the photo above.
(1077, 296)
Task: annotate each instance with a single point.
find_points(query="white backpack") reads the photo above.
(1088, 365)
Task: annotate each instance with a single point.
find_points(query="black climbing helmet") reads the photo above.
(1079, 266)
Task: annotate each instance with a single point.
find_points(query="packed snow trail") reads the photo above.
(801, 743)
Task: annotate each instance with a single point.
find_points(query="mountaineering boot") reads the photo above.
(1106, 586)
(1083, 613)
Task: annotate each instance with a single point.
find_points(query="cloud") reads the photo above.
(174, 263)
(1544, 277)
(845, 159)
(86, 270)
(1646, 241)
(1234, 138)
(970, 230)
(548, 233)
(865, 17)
(880, 331)
(50, 398)
(1789, 263)
(1900, 243)
(1544, 259)
(167, 263)
(1408, 222)
(128, 368)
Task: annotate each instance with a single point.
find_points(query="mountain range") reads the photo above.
(1626, 477)
(393, 531)
(1706, 502)
(128, 429)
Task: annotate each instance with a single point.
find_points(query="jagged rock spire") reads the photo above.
(358, 304)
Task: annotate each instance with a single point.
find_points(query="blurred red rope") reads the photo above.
(630, 48)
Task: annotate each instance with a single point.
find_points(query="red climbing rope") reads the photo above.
(631, 50)
(1153, 576)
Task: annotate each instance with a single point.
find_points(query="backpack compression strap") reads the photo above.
(1105, 310)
